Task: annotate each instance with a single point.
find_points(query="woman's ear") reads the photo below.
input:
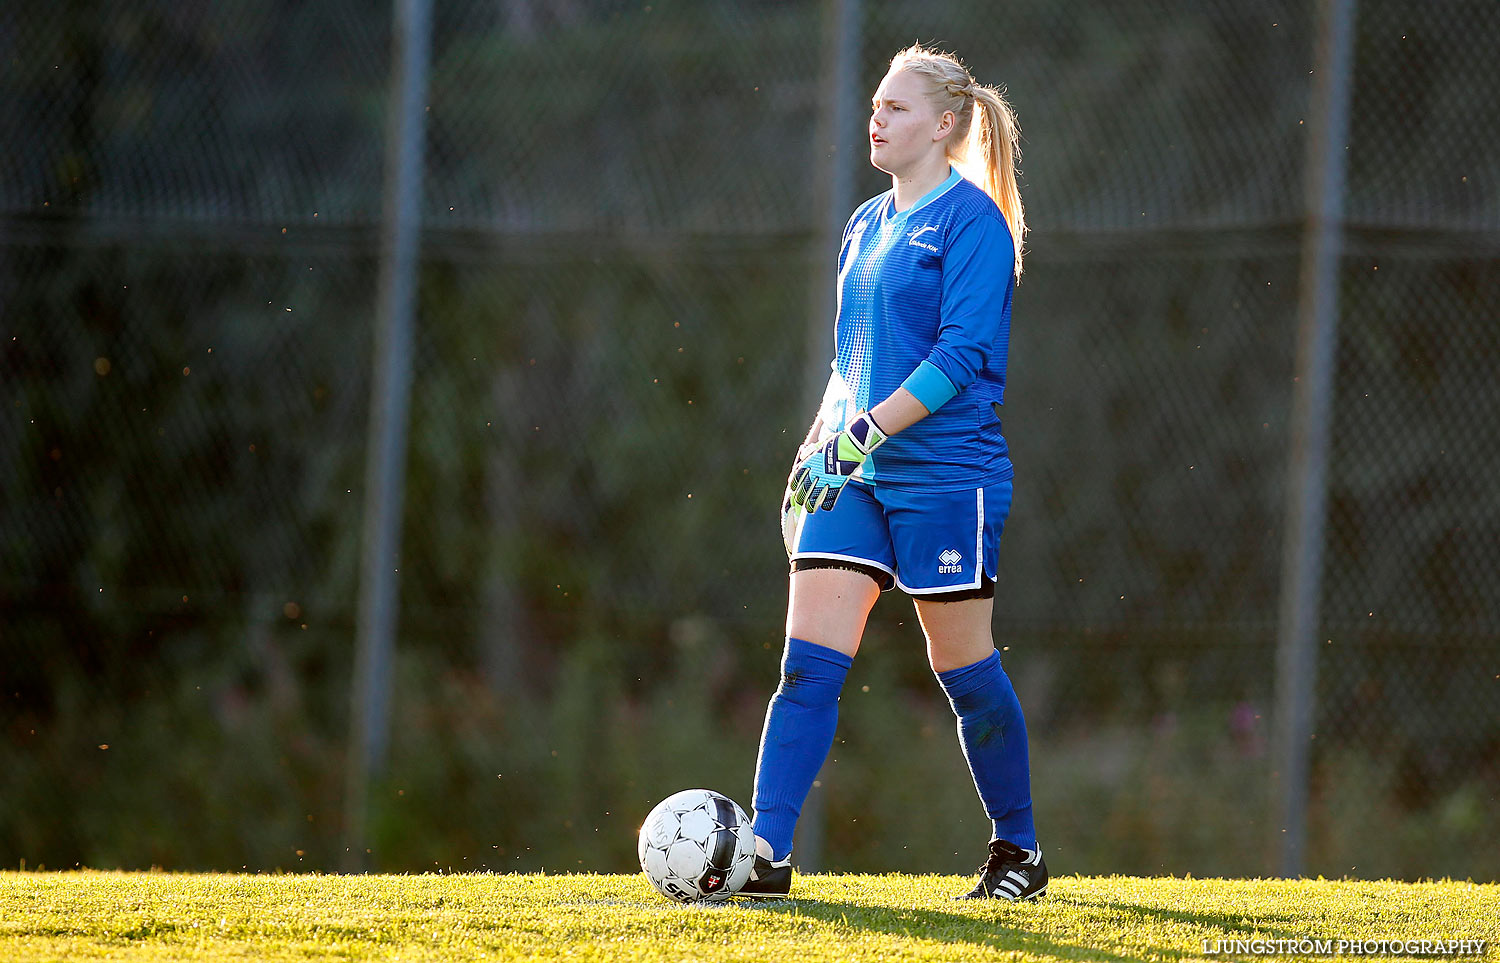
(945, 125)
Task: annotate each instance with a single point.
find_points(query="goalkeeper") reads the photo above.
(905, 478)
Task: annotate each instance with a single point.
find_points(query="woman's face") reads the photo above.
(904, 126)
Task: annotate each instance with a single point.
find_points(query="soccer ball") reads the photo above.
(697, 846)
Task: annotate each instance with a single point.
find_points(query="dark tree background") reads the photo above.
(621, 262)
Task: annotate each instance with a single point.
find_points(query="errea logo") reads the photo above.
(950, 562)
(911, 238)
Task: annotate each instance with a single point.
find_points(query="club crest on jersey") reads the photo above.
(950, 562)
(915, 238)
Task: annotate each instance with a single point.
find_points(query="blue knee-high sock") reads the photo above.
(992, 731)
(799, 732)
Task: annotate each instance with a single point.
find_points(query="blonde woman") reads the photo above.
(905, 477)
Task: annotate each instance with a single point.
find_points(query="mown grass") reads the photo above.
(157, 916)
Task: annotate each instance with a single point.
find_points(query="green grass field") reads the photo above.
(159, 916)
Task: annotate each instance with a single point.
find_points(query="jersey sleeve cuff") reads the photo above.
(930, 386)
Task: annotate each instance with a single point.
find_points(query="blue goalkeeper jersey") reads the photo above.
(929, 284)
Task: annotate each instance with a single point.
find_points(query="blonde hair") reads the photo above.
(993, 144)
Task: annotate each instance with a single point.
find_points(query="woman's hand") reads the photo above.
(820, 474)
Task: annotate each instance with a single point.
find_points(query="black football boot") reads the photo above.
(1010, 873)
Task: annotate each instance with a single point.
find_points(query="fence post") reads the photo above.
(838, 149)
(385, 459)
(1317, 327)
(839, 141)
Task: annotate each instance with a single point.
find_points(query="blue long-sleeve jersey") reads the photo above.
(932, 283)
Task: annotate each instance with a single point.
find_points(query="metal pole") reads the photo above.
(1317, 322)
(839, 143)
(386, 447)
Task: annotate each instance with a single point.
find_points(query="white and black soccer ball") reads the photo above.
(697, 846)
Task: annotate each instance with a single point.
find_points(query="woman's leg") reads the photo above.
(991, 727)
(826, 616)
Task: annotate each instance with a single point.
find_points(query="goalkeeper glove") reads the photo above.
(819, 478)
(792, 514)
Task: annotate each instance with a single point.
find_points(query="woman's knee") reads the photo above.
(958, 633)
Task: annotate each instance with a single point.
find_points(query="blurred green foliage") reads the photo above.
(609, 380)
(222, 775)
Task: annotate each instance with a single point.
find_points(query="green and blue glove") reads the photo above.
(819, 476)
(793, 514)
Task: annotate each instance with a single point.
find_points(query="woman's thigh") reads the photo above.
(829, 606)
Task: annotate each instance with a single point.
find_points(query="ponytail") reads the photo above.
(995, 146)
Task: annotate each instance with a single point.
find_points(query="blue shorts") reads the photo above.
(927, 543)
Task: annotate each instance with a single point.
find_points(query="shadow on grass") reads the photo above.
(1268, 926)
(1008, 928)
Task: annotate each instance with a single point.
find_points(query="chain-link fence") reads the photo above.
(623, 250)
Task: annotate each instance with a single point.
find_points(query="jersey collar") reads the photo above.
(947, 185)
